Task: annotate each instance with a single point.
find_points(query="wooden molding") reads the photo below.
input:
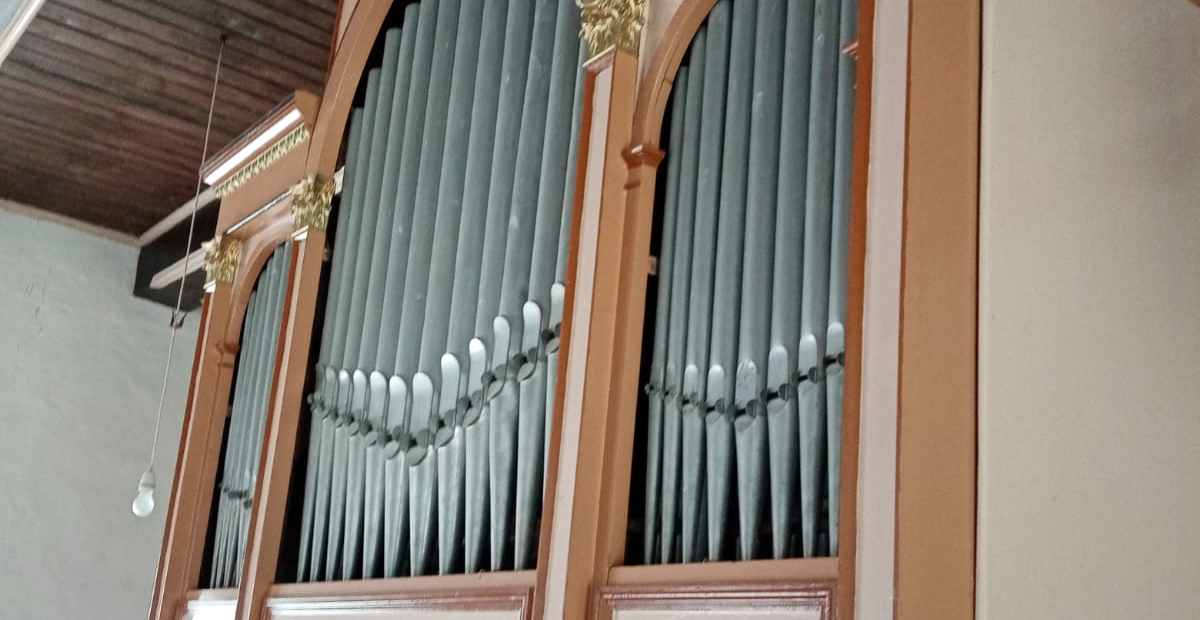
(456, 595)
(799, 600)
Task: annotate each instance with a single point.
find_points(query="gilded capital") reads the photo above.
(311, 201)
(221, 257)
(608, 23)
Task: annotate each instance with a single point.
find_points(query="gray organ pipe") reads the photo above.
(757, 265)
(377, 399)
(814, 306)
(708, 184)
(363, 217)
(680, 283)
(406, 168)
(466, 281)
(324, 414)
(782, 411)
(655, 388)
(753, 266)
(418, 345)
(439, 311)
(372, 238)
(544, 245)
(446, 294)
(491, 348)
(839, 259)
(243, 443)
(727, 276)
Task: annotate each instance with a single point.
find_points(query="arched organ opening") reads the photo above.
(742, 409)
(435, 371)
(242, 448)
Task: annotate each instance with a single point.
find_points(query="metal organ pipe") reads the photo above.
(749, 330)
(445, 297)
(243, 442)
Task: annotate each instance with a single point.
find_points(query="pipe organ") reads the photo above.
(247, 417)
(570, 342)
(744, 395)
(428, 444)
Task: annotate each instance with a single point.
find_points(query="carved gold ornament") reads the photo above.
(221, 257)
(608, 23)
(311, 200)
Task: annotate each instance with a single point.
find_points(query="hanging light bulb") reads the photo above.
(143, 502)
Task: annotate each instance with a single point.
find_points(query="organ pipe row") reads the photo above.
(435, 370)
(744, 396)
(248, 414)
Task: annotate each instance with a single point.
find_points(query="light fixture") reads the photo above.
(143, 502)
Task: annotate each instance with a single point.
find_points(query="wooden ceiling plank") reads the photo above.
(287, 17)
(17, 120)
(200, 16)
(286, 73)
(20, 136)
(100, 112)
(93, 36)
(133, 87)
(177, 82)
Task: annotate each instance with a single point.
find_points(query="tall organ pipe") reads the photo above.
(481, 449)
(351, 342)
(468, 257)
(680, 284)
(782, 411)
(757, 264)
(814, 306)
(406, 161)
(727, 275)
(412, 353)
(368, 281)
(440, 313)
(656, 387)
(324, 412)
(708, 184)
(835, 343)
(544, 244)
(373, 503)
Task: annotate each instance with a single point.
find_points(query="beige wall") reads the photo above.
(81, 363)
(1090, 310)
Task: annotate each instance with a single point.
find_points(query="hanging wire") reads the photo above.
(176, 315)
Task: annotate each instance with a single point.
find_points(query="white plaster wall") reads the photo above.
(81, 365)
(1089, 457)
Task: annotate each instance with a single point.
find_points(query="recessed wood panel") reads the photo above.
(103, 102)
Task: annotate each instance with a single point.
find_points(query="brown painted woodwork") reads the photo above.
(459, 595)
(936, 474)
(798, 600)
(578, 544)
(363, 25)
(863, 50)
(103, 102)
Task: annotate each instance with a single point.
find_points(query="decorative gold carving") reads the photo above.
(264, 159)
(221, 257)
(608, 23)
(311, 200)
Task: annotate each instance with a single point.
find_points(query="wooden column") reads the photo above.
(935, 486)
(576, 543)
(196, 467)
